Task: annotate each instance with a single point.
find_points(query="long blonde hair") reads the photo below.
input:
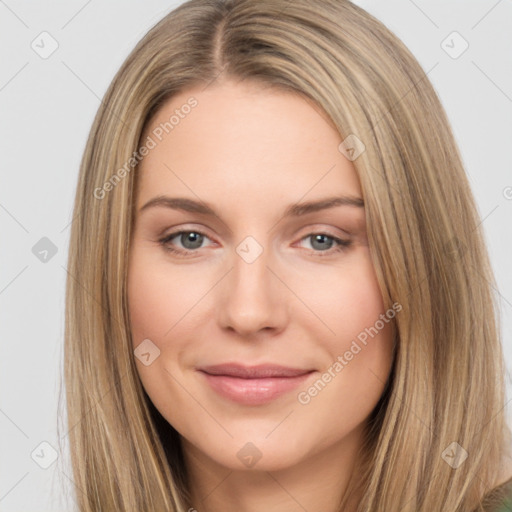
(447, 381)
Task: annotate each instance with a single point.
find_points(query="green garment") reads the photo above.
(500, 499)
(507, 505)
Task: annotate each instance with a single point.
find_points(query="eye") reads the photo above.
(189, 240)
(184, 243)
(325, 243)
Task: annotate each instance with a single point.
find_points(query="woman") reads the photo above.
(279, 294)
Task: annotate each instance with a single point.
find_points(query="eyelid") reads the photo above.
(336, 232)
(178, 231)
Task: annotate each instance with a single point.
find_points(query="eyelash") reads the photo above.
(342, 245)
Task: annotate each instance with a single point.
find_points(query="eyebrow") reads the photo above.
(294, 210)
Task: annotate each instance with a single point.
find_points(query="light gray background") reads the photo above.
(47, 106)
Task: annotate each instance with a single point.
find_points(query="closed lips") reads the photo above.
(253, 372)
(253, 385)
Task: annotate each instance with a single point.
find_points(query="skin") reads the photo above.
(250, 152)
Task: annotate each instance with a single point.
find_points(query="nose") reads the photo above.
(252, 299)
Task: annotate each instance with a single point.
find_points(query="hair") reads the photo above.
(447, 380)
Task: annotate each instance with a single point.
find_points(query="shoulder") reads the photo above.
(500, 498)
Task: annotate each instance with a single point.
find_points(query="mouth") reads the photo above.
(253, 385)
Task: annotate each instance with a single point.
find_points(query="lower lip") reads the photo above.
(253, 391)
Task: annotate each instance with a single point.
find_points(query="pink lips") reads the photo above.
(253, 385)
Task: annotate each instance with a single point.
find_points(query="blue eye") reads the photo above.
(324, 243)
(189, 240)
(321, 242)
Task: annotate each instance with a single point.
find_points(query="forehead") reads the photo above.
(232, 138)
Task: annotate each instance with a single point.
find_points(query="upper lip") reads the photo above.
(253, 372)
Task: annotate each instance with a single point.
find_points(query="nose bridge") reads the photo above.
(251, 300)
(250, 272)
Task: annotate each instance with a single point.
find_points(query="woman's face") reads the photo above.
(257, 323)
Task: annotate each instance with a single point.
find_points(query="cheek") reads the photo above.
(148, 303)
(357, 357)
(158, 298)
(347, 299)
(358, 349)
